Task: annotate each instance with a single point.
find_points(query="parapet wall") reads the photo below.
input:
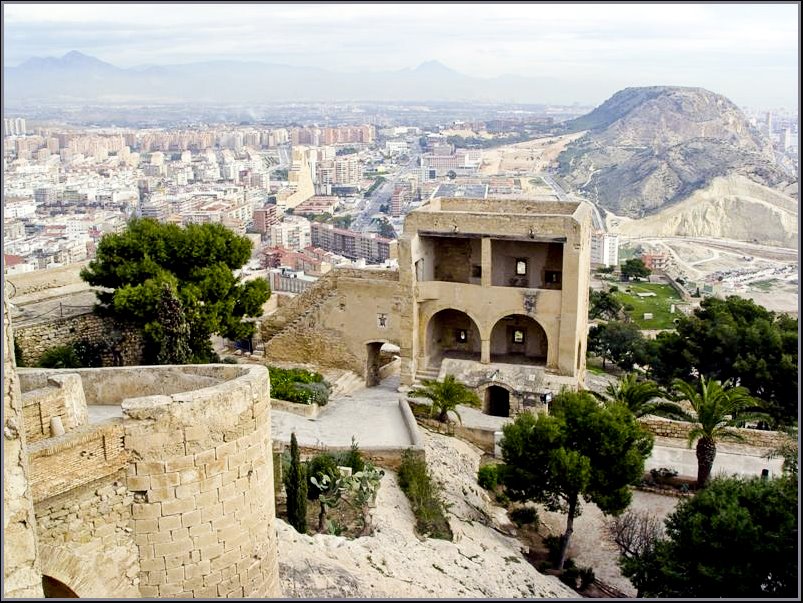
(36, 339)
(756, 438)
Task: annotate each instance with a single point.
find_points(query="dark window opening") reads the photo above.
(476, 271)
(552, 277)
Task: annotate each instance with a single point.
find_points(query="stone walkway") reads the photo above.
(370, 414)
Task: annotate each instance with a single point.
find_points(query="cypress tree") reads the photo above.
(296, 487)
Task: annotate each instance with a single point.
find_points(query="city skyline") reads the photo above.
(749, 53)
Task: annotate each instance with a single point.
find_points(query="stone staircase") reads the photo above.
(346, 384)
(425, 373)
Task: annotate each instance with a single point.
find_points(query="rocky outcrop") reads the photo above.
(648, 148)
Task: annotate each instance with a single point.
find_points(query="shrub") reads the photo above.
(230, 360)
(298, 385)
(89, 354)
(318, 466)
(502, 498)
(488, 477)
(296, 487)
(587, 577)
(352, 458)
(663, 475)
(424, 496)
(62, 356)
(524, 516)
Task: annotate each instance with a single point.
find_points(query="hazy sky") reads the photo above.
(748, 52)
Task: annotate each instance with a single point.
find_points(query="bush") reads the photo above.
(524, 516)
(318, 466)
(488, 477)
(424, 496)
(89, 354)
(352, 458)
(62, 356)
(663, 475)
(298, 385)
(230, 360)
(587, 577)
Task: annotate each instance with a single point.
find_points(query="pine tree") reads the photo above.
(296, 487)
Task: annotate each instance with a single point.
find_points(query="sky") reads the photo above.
(748, 52)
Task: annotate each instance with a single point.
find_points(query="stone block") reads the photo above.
(146, 511)
(165, 480)
(179, 463)
(179, 547)
(188, 490)
(170, 523)
(175, 575)
(193, 518)
(138, 483)
(146, 526)
(173, 507)
(161, 494)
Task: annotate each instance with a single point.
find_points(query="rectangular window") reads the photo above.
(521, 267)
(518, 336)
(476, 271)
(461, 336)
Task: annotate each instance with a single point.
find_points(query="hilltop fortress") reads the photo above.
(124, 482)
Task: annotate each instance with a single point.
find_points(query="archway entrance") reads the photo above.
(497, 401)
(378, 354)
(55, 589)
(518, 339)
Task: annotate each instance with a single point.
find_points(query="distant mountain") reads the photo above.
(647, 148)
(79, 77)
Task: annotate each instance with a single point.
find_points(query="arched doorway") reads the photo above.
(518, 339)
(497, 401)
(56, 589)
(378, 354)
(452, 334)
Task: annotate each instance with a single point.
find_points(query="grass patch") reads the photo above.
(595, 370)
(659, 305)
(424, 495)
(764, 285)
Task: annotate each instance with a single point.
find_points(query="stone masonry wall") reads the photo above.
(201, 479)
(34, 340)
(86, 541)
(62, 397)
(668, 428)
(331, 323)
(21, 571)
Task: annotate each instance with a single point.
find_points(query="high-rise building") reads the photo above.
(604, 249)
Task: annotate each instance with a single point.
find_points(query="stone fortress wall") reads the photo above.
(334, 321)
(139, 482)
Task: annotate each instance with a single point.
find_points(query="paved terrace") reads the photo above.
(372, 415)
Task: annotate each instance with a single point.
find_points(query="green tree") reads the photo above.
(734, 339)
(296, 487)
(581, 450)
(635, 268)
(445, 395)
(642, 397)
(170, 331)
(736, 539)
(63, 356)
(620, 342)
(716, 407)
(603, 304)
(196, 262)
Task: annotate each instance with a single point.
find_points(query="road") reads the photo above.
(596, 217)
(370, 206)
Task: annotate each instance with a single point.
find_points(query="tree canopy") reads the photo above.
(603, 304)
(190, 269)
(445, 395)
(581, 450)
(620, 342)
(635, 268)
(734, 339)
(736, 538)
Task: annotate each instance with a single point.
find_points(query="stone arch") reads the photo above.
(519, 338)
(65, 566)
(451, 332)
(56, 589)
(373, 364)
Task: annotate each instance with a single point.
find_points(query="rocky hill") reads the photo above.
(649, 148)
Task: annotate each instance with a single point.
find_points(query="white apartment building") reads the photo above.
(604, 249)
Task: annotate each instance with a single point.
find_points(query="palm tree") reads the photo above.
(640, 397)
(446, 395)
(717, 407)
